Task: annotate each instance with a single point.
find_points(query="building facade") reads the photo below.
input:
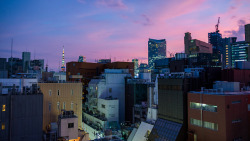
(26, 61)
(156, 50)
(247, 33)
(227, 54)
(59, 97)
(240, 52)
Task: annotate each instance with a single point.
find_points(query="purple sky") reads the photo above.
(112, 28)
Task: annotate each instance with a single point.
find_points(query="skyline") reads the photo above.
(121, 27)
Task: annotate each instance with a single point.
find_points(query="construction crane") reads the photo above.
(217, 25)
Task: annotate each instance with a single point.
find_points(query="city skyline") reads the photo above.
(100, 29)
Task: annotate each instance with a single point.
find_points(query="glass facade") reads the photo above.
(240, 52)
(156, 50)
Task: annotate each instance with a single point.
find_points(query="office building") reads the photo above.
(172, 107)
(215, 38)
(21, 115)
(156, 50)
(104, 61)
(136, 67)
(3, 68)
(200, 60)
(227, 54)
(193, 46)
(59, 97)
(247, 33)
(15, 65)
(240, 52)
(82, 59)
(136, 92)
(26, 61)
(219, 113)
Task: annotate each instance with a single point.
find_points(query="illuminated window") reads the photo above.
(195, 122)
(210, 125)
(3, 126)
(58, 105)
(205, 107)
(4, 108)
(50, 92)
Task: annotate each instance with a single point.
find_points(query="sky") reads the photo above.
(116, 29)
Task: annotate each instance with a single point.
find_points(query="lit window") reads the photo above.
(210, 125)
(50, 92)
(205, 107)
(4, 108)
(195, 122)
(3, 126)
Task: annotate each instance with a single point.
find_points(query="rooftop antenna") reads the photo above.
(11, 54)
(217, 25)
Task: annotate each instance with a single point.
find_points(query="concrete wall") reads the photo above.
(64, 131)
(65, 96)
(111, 109)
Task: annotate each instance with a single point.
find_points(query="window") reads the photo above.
(110, 90)
(248, 107)
(236, 121)
(58, 105)
(235, 102)
(58, 92)
(3, 126)
(103, 106)
(210, 125)
(72, 106)
(195, 122)
(50, 92)
(4, 108)
(64, 105)
(72, 91)
(205, 107)
(50, 107)
(70, 125)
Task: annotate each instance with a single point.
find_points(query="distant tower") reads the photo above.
(63, 65)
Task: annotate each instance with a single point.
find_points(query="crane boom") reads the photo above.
(217, 25)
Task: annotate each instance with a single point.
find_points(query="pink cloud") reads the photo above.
(117, 4)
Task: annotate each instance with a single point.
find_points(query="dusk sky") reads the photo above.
(112, 28)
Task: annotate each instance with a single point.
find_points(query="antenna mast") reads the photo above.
(217, 25)
(11, 54)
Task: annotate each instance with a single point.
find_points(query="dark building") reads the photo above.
(3, 68)
(247, 33)
(15, 65)
(172, 108)
(21, 117)
(240, 52)
(178, 65)
(37, 64)
(227, 54)
(200, 60)
(156, 50)
(136, 91)
(215, 38)
(26, 61)
(236, 75)
(163, 63)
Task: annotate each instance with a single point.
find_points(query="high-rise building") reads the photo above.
(26, 61)
(227, 54)
(136, 67)
(247, 33)
(193, 46)
(63, 63)
(218, 114)
(215, 38)
(82, 59)
(156, 50)
(240, 52)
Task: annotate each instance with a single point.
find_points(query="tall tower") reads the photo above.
(63, 65)
(156, 50)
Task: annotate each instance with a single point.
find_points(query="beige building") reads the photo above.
(59, 96)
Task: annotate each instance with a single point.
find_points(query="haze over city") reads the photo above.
(116, 29)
